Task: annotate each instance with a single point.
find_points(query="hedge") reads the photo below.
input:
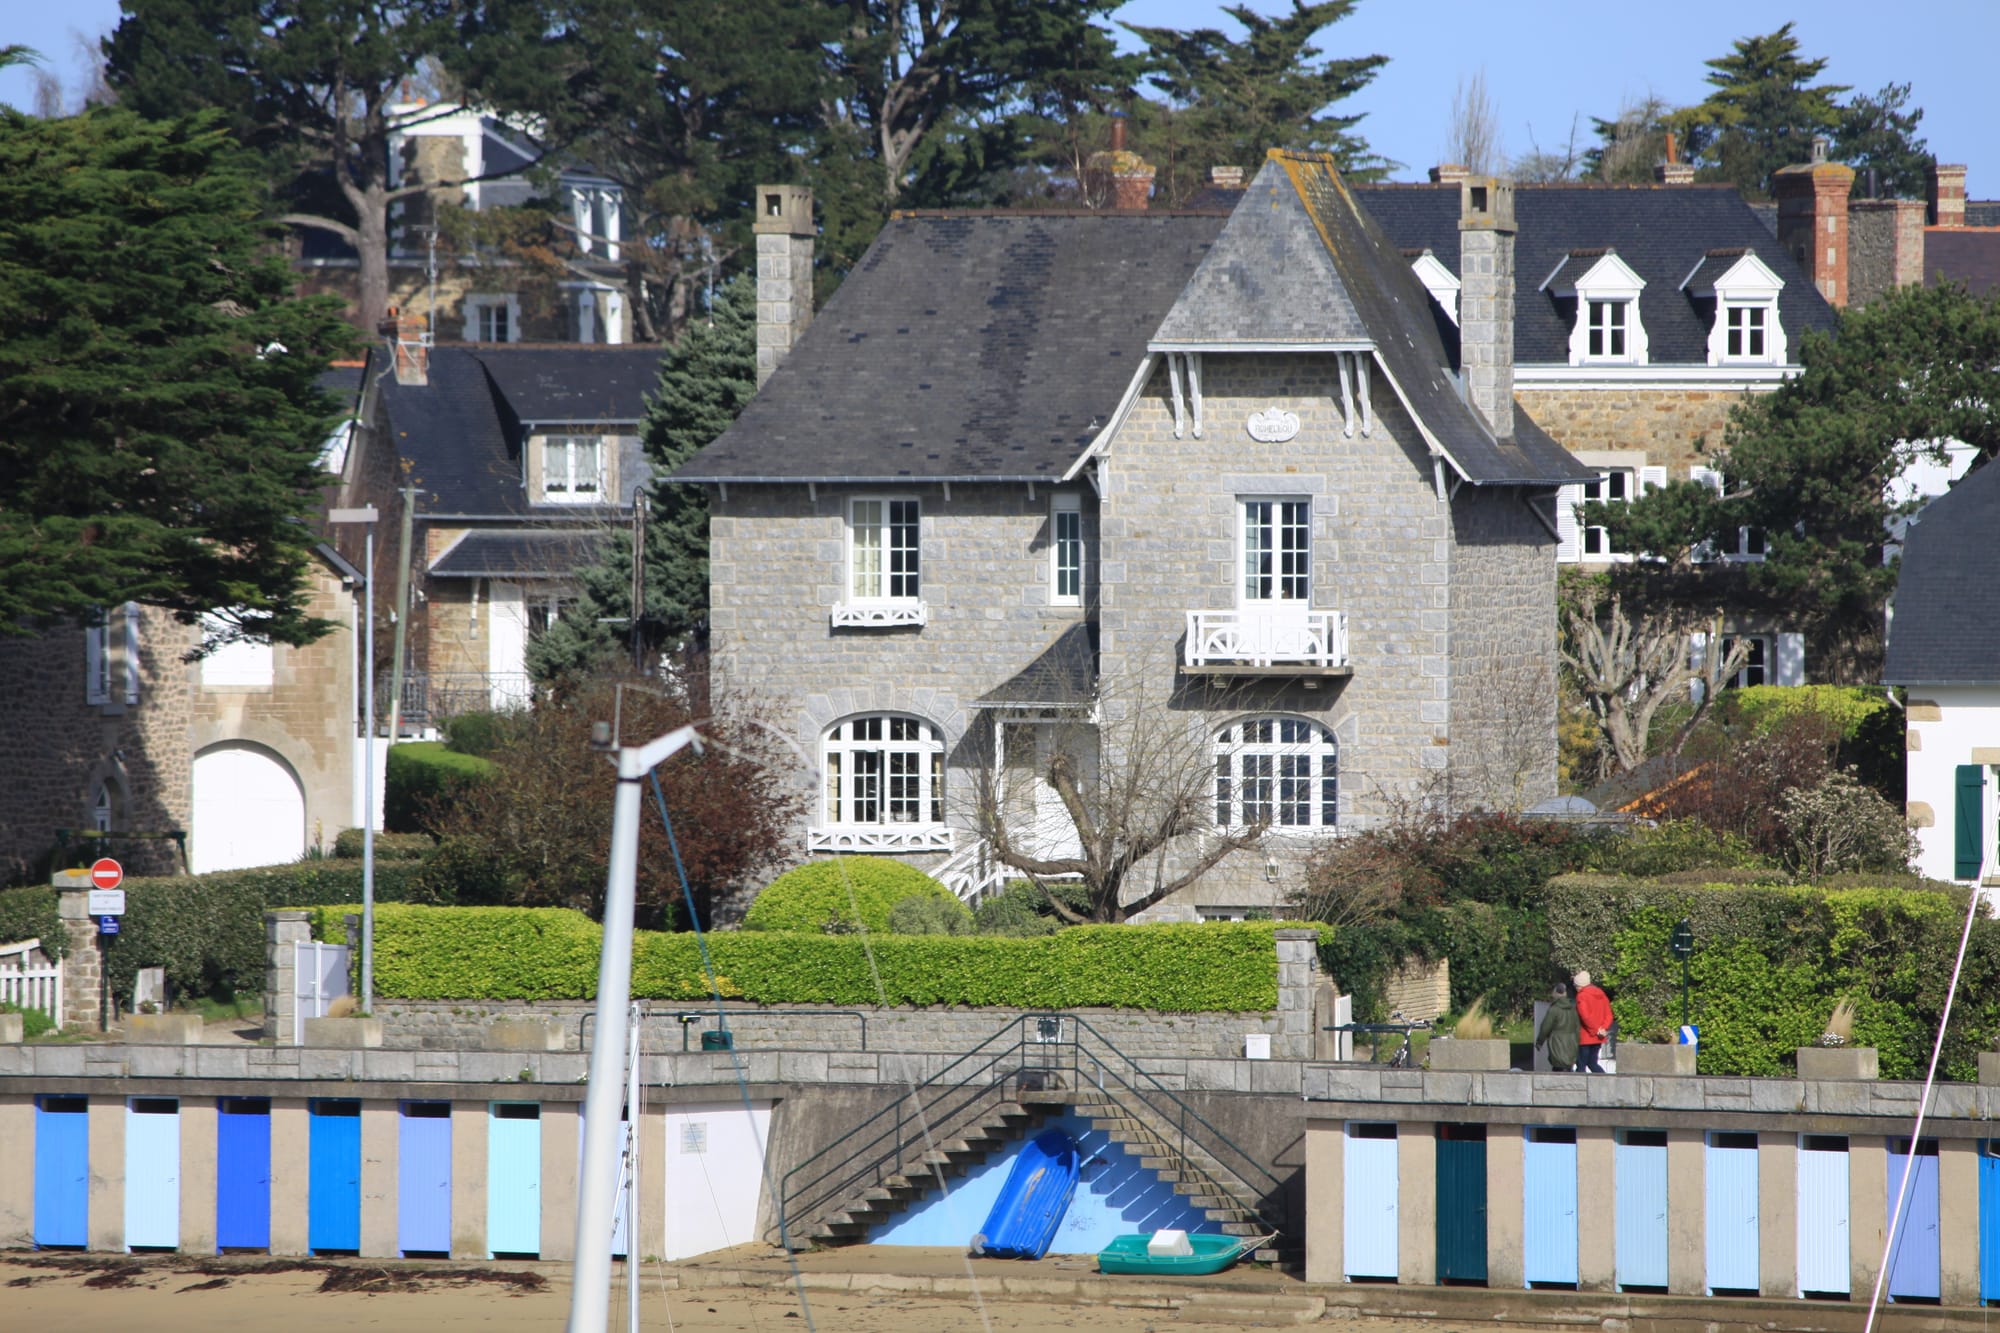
(30, 914)
(419, 775)
(551, 953)
(1770, 963)
(827, 895)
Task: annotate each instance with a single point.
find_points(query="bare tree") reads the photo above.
(1547, 166)
(1474, 137)
(1627, 668)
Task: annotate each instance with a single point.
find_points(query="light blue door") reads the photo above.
(514, 1179)
(62, 1171)
(1731, 1170)
(152, 1173)
(423, 1178)
(1913, 1256)
(1548, 1199)
(1639, 1168)
(1368, 1201)
(624, 1181)
(333, 1181)
(1823, 1237)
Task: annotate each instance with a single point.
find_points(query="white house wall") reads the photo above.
(1949, 726)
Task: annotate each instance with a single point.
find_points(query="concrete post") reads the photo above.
(198, 1117)
(17, 1186)
(291, 1156)
(468, 1180)
(282, 932)
(83, 974)
(1778, 1215)
(380, 1124)
(1596, 1211)
(106, 1199)
(1687, 1213)
(1867, 1210)
(560, 1156)
(1506, 1218)
(1416, 1214)
(1326, 1201)
(1298, 967)
(1958, 1221)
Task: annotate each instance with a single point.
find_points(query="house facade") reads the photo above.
(1202, 486)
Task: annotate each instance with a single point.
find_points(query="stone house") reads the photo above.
(1034, 475)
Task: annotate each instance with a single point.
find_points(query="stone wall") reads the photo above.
(1665, 423)
(1503, 650)
(1885, 247)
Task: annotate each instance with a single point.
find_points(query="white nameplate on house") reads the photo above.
(1273, 425)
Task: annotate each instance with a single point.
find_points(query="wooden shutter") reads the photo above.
(1651, 479)
(93, 664)
(1569, 541)
(1969, 823)
(1791, 659)
(131, 682)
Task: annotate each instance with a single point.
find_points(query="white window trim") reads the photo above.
(1570, 530)
(1608, 279)
(1321, 745)
(1438, 281)
(856, 611)
(1243, 597)
(508, 301)
(103, 661)
(1747, 284)
(570, 495)
(1740, 554)
(1065, 504)
(830, 832)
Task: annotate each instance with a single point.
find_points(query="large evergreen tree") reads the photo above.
(160, 412)
(1763, 111)
(705, 382)
(1877, 136)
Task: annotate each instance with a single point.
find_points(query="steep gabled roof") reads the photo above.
(1064, 675)
(573, 383)
(1946, 626)
(519, 553)
(966, 346)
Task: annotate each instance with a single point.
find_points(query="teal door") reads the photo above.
(1461, 1203)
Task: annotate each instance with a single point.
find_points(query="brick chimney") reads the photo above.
(1448, 173)
(1673, 171)
(1944, 189)
(1124, 180)
(784, 228)
(1486, 298)
(1812, 219)
(410, 342)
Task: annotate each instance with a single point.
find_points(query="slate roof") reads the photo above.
(966, 346)
(1063, 675)
(519, 553)
(1967, 255)
(1660, 231)
(1946, 626)
(573, 383)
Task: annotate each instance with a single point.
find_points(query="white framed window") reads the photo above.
(1748, 547)
(1282, 772)
(1747, 333)
(1275, 550)
(1066, 549)
(1614, 484)
(1746, 330)
(1757, 666)
(884, 563)
(1606, 336)
(1604, 294)
(883, 774)
(111, 657)
(492, 319)
(573, 469)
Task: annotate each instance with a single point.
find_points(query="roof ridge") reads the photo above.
(1113, 213)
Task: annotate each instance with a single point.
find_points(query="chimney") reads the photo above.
(784, 228)
(1944, 188)
(1673, 171)
(1124, 180)
(1225, 178)
(1486, 298)
(411, 343)
(1448, 173)
(1812, 219)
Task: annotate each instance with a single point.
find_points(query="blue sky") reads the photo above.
(1545, 60)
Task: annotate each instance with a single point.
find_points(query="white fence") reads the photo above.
(28, 985)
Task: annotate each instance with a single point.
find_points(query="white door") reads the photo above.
(1034, 809)
(507, 646)
(249, 810)
(713, 1175)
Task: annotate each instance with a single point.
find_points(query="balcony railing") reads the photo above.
(430, 696)
(1258, 641)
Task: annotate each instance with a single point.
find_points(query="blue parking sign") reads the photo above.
(107, 925)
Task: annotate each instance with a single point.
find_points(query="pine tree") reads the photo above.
(1764, 111)
(705, 382)
(1877, 136)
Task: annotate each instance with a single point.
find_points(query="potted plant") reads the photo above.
(1471, 1044)
(1836, 1056)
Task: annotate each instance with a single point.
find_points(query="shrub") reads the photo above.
(388, 846)
(33, 1021)
(842, 891)
(1024, 911)
(477, 733)
(1674, 846)
(464, 870)
(1841, 826)
(30, 914)
(926, 915)
(423, 777)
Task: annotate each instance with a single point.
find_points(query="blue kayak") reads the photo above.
(1032, 1203)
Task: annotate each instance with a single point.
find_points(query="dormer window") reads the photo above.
(1742, 293)
(1438, 281)
(1603, 292)
(573, 469)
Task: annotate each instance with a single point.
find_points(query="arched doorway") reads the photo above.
(249, 809)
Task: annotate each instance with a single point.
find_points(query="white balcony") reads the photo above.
(880, 838)
(1259, 641)
(880, 615)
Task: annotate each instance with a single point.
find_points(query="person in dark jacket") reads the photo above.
(1559, 1030)
(1593, 1012)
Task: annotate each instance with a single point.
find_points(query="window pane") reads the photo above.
(902, 548)
(867, 802)
(905, 802)
(1295, 551)
(833, 785)
(1257, 788)
(1257, 543)
(1294, 789)
(1069, 553)
(867, 530)
(555, 464)
(1222, 811)
(937, 785)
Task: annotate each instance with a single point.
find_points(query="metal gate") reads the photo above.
(319, 977)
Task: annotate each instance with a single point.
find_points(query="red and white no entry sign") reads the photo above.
(106, 873)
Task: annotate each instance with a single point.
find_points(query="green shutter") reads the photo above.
(1969, 846)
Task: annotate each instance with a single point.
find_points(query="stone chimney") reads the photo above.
(410, 343)
(1124, 180)
(1673, 171)
(1885, 247)
(784, 228)
(1486, 298)
(1812, 219)
(1944, 189)
(1448, 173)
(1226, 178)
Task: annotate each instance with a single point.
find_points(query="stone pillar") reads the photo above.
(1958, 1221)
(291, 1155)
(1486, 298)
(468, 1180)
(1326, 1201)
(784, 229)
(1867, 1210)
(561, 1122)
(106, 1205)
(1298, 968)
(83, 964)
(1687, 1213)
(1778, 1215)
(198, 1117)
(380, 1123)
(1596, 1211)
(1506, 1216)
(17, 1184)
(282, 931)
(1416, 1211)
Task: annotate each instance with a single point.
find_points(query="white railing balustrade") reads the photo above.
(880, 838)
(1261, 638)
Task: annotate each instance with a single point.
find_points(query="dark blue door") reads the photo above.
(1989, 1219)
(333, 1192)
(1461, 1203)
(62, 1170)
(243, 1174)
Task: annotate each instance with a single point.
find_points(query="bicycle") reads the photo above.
(1401, 1057)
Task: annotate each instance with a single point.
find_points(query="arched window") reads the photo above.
(104, 808)
(884, 783)
(1280, 771)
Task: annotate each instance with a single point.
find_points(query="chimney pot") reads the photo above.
(1118, 132)
(1820, 145)
(1671, 172)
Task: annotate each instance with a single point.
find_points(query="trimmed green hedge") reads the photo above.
(388, 846)
(826, 895)
(30, 914)
(419, 775)
(549, 953)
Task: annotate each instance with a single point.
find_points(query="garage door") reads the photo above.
(248, 810)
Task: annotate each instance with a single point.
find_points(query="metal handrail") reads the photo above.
(686, 1017)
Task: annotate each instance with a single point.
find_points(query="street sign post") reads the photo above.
(106, 902)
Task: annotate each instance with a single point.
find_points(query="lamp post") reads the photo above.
(1682, 943)
(366, 516)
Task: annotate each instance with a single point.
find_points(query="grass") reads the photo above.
(242, 1005)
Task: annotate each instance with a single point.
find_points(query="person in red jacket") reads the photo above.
(1593, 1012)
